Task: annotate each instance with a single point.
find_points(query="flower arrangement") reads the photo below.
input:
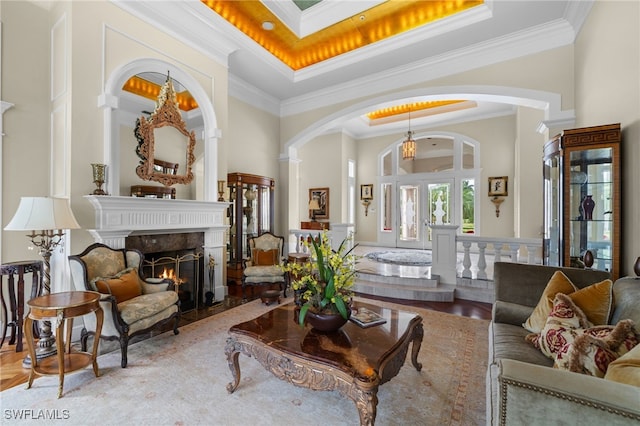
(326, 279)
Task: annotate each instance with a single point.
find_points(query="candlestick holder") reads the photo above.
(220, 190)
(99, 173)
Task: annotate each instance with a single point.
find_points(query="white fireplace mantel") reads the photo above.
(118, 217)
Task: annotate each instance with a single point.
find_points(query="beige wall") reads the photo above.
(607, 83)
(253, 147)
(25, 83)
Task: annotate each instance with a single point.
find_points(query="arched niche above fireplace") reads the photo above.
(117, 101)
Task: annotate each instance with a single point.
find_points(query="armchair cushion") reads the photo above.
(146, 305)
(264, 257)
(267, 274)
(123, 286)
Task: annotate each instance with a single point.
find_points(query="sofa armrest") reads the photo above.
(510, 313)
(155, 285)
(531, 394)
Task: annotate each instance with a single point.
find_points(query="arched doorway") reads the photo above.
(438, 186)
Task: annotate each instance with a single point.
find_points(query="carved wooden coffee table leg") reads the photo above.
(232, 352)
(418, 334)
(366, 402)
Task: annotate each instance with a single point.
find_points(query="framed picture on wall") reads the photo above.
(322, 196)
(498, 186)
(366, 192)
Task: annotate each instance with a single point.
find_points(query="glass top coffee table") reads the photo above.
(354, 360)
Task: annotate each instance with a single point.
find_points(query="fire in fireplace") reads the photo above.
(179, 257)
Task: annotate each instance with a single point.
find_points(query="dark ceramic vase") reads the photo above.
(636, 267)
(587, 205)
(326, 322)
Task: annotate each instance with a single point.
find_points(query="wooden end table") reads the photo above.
(63, 307)
(354, 361)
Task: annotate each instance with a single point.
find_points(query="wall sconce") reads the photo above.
(497, 190)
(366, 196)
(220, 190)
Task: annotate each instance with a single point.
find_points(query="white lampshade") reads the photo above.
(42, 213)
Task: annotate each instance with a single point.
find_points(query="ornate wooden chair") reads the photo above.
(264, 266)
(132, 304)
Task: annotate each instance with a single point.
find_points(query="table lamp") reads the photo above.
(46, 218)
(313, 206)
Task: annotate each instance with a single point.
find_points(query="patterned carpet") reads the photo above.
(403, 257)
(181, 380)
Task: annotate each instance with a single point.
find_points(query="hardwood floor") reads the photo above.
(12, 374)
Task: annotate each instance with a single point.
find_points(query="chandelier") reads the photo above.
(409, 145)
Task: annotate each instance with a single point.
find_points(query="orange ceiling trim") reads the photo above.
(147, 89)
(375, 24)
(405, 108)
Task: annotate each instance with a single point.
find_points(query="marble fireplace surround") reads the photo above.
(118, 217)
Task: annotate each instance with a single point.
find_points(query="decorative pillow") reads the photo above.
(564, 323)
(626, 369)
(265, 257)
(592, 351)
(559, 283)
(123, 287)
(596, 301)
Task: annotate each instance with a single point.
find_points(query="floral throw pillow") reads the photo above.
(592, 351)
(564, 323)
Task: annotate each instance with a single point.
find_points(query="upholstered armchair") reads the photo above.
(132, 305)
(264, 266)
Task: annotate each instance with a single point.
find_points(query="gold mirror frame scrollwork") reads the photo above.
(166, 113)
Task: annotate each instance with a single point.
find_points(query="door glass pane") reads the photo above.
(265, 220)
(468, 206)
(387, 205)
(439, 203)
(468, 156)
(552, 211)
(409, 212)
(434, 155)
(590, 208)
(386, 164)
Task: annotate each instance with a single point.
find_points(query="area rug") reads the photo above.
(181, 380)
(408, 258)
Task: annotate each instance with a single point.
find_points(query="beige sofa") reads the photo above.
(523, 388)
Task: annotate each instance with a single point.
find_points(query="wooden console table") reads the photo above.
(16, 304)
(62, 307)
(354, 361)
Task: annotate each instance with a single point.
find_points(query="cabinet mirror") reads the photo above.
(165, 146)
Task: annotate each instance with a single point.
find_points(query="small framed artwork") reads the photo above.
(366, 192)
(498, 186)
(322, 195)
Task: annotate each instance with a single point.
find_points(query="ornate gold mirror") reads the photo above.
(165, 146)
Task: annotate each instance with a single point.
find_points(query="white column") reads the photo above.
(444, 252)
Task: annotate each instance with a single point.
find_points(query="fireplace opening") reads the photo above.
(179, 257)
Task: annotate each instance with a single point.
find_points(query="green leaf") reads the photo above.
(342, 307)
(330, 290)
(303, 313)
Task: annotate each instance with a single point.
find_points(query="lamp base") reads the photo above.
(41, 353)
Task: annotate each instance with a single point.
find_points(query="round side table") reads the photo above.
(63, 307)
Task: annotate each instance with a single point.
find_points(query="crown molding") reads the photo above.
(318, 17)
(538, 39)
(253, 96)
(185, 21)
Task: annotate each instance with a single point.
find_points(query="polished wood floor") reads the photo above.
(13, 374)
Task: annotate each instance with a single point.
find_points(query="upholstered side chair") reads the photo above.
(132, 305)
(264, 266)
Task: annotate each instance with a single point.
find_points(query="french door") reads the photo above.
(420, 203)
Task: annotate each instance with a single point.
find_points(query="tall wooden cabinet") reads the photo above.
(251, 213)
(581, 195)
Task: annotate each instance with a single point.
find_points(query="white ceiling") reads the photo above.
(496, 31)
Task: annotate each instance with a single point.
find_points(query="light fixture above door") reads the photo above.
(409, 145)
